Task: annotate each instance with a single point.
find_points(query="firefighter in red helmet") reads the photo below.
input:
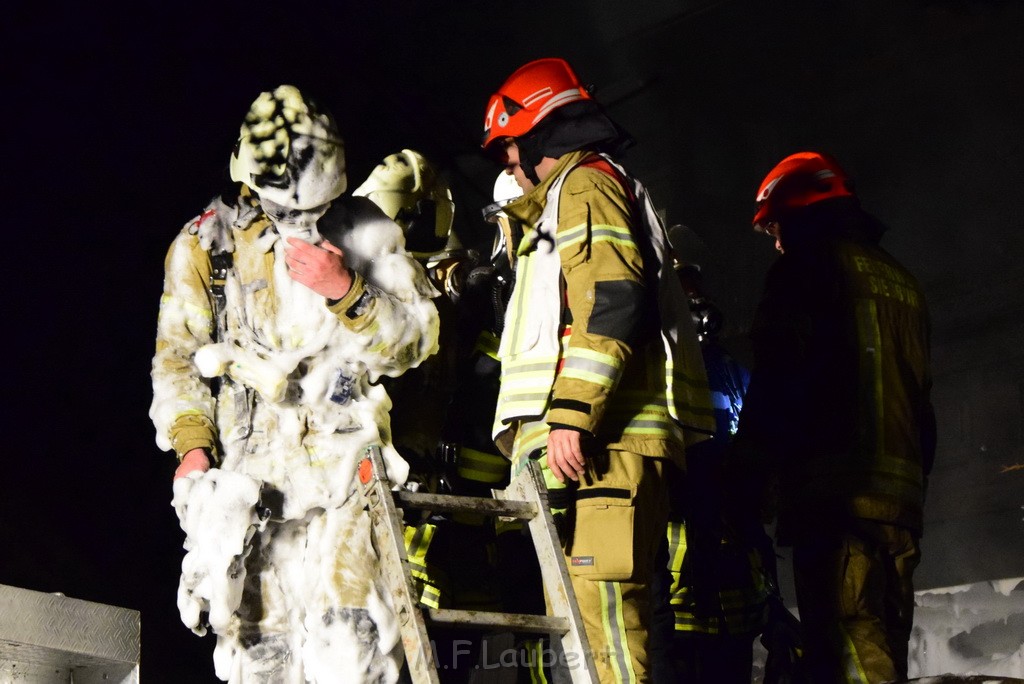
(602, 378)
(838, 417)
(796, 182)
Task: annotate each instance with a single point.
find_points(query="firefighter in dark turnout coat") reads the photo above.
(838, 415)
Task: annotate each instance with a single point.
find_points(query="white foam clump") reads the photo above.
(344, 641)
(245, 367)
(217, 511)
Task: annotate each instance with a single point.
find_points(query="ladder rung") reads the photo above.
(516, 622)
(523, 510)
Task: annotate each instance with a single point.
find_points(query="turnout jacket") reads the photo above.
(839, 399)
(597, 335)
(273, 379)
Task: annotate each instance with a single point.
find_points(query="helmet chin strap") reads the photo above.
(530, 154)
(529, 169)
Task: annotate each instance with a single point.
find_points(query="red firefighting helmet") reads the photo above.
(532, 92)
(797, 181)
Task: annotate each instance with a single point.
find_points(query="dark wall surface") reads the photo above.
(119, 125)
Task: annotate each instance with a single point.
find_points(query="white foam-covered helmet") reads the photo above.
(289, 151)
(410, 190)
(506, 189)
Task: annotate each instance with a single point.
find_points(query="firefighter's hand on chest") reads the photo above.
(321, 267)
(565, 457)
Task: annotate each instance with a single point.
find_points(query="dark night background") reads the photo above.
(119, 123)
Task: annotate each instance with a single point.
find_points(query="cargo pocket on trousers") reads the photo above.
(602, 539)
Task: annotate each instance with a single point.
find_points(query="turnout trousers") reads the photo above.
(619, 517)
(855, 596)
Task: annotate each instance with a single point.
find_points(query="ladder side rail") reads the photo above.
(388, 533)
(529, 486)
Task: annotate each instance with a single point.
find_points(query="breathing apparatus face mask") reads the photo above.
(297, 223)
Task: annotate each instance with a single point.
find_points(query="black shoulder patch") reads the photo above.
(618, 310)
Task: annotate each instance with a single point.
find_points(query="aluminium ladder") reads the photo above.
(525, 498)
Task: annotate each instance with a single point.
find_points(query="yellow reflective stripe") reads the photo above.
(676, 533)
(535, 365)
(743, 608)
(637, 402)
(693, 624)
(528, 241)
(696, 392)
(571, 236)
(417, 542)
(599, 232)
(890, 474)
(735, 623)
(684, 377)
(487, 343)
(869, 339)
(524, 278)
(615, 632)
(750, 621)
(524, 402)
(591, 366)
(166, 300)
(895, 476)
(481, 466)
(901, 491)
(430, 597)
(526, 382)
(196, 317)
(371, 330)
(658, 433)
(536, 664)
(530, 437)
(648, 427)
(552, 484)
(898, 467)
(528, 386)
(650, 424)
(854, 672)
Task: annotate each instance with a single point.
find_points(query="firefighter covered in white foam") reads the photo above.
(284, 304)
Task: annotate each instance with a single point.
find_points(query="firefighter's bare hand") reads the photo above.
(194, 459)
(565, 457)
(321, 267)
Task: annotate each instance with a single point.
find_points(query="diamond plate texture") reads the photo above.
(40, 632)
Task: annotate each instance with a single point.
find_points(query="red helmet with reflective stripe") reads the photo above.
(532, 92)
(797, 181)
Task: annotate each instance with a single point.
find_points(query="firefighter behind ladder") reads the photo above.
(712, 596)
(602, 380)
